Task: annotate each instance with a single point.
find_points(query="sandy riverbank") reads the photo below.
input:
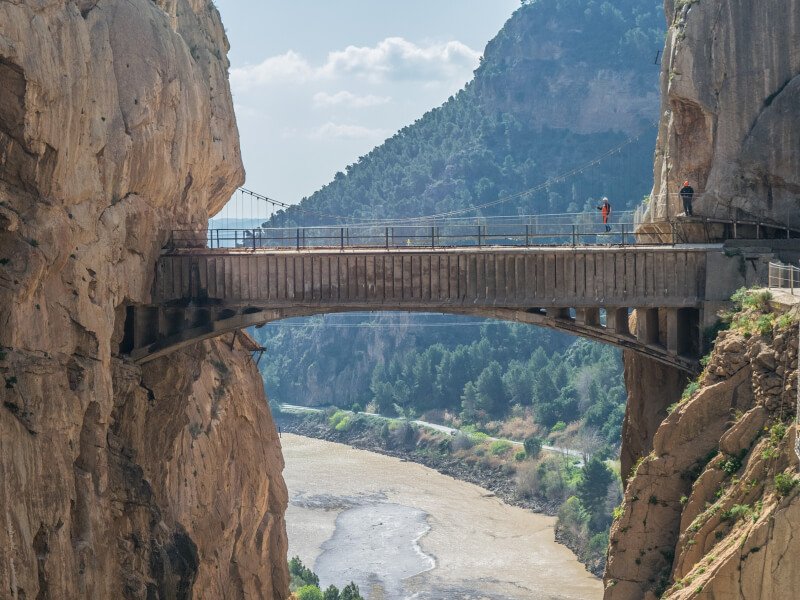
(375, 508)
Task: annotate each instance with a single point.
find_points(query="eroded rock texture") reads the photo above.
(703, 516)
(730, 110)
(116, 127)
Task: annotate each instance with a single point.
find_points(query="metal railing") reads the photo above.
(525, 231)
(447, 234)
(784, 277)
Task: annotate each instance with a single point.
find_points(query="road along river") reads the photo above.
(403, 531)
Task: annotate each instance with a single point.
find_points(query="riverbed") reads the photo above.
(403, 531)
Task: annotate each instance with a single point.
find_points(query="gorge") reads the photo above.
(163, 479)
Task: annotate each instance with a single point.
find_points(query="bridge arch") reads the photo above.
(189, 325)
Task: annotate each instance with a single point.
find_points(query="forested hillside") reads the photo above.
(564, 82)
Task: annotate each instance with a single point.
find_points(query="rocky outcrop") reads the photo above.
(116, 127)
(730, 110)
(705, 514)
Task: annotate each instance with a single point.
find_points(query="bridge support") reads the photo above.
(683, 331)
(587, 316)
(557, 313)
(617, 320)
(647, 326)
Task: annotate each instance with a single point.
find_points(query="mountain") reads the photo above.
(561, 84)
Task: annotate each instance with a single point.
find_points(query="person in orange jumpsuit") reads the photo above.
(605, 211)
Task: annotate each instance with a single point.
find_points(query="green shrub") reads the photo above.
(690, 390)
(332, 593)
(736, 512)
(731, 464)
(336, 418)
(559, 426)
(598, 544)
(301, 576)
(785, 483)
(345, 424)
(765, 324)
(357, 408)
(769, 453)
(776, 433)
(533, 447)
(500, 447)
(520, 455)
(309, 592)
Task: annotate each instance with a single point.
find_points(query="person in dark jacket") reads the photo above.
(605, 211)
(687, 193)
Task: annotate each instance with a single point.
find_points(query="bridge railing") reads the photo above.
(444, 234)
(784, 277)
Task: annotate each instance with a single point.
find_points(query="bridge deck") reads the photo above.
(641, 276)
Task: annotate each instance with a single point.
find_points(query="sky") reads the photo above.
(317, 84)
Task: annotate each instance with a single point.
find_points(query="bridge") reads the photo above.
(577, 278)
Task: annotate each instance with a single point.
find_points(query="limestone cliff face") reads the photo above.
(116, 127)
(703, 514)
(730, 110)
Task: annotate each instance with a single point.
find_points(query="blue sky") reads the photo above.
(318, 84)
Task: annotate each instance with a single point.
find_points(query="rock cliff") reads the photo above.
(713, 510)
(697, 522)
(730, 121)
(116, 127)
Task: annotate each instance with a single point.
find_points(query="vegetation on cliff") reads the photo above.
(721, 482)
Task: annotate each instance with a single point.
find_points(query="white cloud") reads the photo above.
(340, 131)
(398, 59)
(345, 98)
(284, 68)
(392, 59)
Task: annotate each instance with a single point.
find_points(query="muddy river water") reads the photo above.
(403, 531)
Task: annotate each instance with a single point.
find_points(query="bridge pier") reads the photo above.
(617, 320)
(647, 326)
(683, 331)
(589, 317)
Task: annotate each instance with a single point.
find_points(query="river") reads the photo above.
(403, 531)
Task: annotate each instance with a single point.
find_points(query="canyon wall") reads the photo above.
(713, 510)
(730, 86)
(702, 513)
(116, 127)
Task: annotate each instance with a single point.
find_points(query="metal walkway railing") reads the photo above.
(582, 229)
(784, 277)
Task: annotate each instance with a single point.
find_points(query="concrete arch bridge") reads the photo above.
(569, 281)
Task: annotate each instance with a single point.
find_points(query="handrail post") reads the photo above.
(573, 235)
(387, 237)
(479, 236)
(298, 238)
(341, 238)
(433, 238)
(623, 235)
(527, 235)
